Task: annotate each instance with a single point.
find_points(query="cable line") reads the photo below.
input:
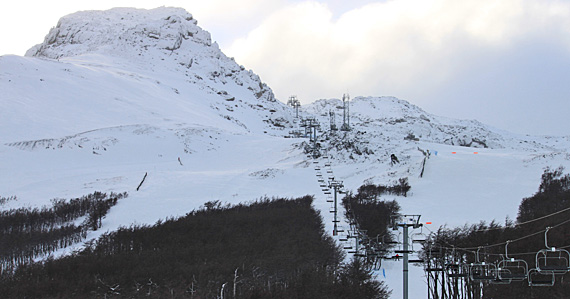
(525, 222)
(471, 249)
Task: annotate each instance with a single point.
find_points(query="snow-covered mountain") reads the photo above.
(113, 95)
(99, 69)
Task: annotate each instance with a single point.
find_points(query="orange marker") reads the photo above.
(475, 153)
(454, 153)
(428, 222)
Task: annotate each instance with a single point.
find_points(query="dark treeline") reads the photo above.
(265, 249)
(370, 211)
(369, 217)
(544, 209)
(27, 233)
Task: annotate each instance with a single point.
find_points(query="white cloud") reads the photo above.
(414, 49)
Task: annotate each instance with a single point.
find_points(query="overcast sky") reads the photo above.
(505, 63)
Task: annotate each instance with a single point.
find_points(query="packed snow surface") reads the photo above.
(113, 95)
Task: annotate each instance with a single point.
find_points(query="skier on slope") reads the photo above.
(394, 159)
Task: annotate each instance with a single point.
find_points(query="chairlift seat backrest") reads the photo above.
(482, 272)
(553, 260)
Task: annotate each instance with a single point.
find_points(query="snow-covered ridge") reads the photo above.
(399, 120)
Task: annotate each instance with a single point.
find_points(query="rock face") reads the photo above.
(161, 38)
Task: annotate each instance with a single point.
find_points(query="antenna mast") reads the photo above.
(346, 112)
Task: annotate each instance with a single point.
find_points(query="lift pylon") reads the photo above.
(405, 222)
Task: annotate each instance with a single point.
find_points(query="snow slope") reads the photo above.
(113, 95)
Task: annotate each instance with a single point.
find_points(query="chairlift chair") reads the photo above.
(482, 271)
(511, 268)
(501, 276)
(552, 260)
(417, 238)
(540, 279)
(456, 270)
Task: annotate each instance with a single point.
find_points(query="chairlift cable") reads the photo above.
(470, 249)
(525, 222)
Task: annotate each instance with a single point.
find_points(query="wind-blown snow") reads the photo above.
(112, 95)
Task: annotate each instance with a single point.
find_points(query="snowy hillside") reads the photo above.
(113, 95)
(118, 67)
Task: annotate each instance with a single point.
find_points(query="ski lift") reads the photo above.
(455, 269)
(418, 238)
(482, 271)
(540, 279)
(500, 276)
(433, 267)
(511, 268)
(552, 260)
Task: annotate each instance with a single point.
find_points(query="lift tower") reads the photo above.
(294, 102)
(337, 186)
(346, 112)
(405, 221)
(332, 117)
(312, 126)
